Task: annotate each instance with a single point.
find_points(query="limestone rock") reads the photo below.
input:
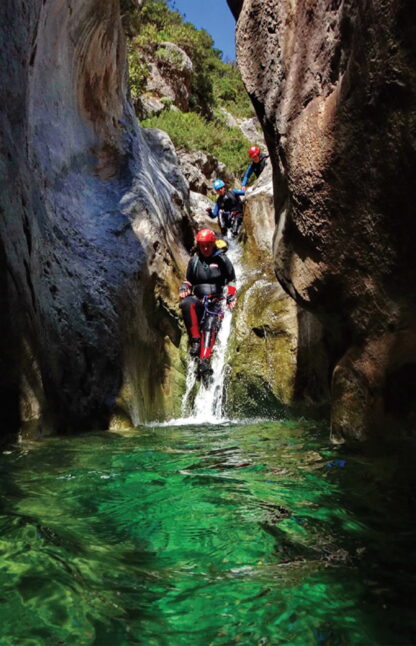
(249, 127)
(200, 170)
(251, 130)
(199, 204)
(170, 78)
(165, 158)
(271, 367)
(150, 106)
(334, 87)
(93, 214)
(230, 120)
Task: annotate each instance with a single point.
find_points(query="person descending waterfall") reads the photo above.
(256, 167)
(228, 208)
(209, 273)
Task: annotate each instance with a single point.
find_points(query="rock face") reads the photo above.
(201, 169)
(334, 85)
(276, 357)
(92, 210)
(250, 129)
(170, 77)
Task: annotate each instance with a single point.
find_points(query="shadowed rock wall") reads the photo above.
(91, 212)
(333, 83)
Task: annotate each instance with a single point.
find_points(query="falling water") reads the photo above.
(207, 406)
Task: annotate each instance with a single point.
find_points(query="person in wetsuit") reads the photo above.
(256, 167)
(228, 208)
(209, 273)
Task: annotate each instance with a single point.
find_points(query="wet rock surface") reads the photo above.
(334, 87)
(277, 361)
(91, 224)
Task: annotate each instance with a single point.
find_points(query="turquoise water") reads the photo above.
(255, 534)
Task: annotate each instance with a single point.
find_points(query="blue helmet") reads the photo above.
(218, 183)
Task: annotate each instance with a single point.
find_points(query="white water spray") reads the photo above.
(208, 404)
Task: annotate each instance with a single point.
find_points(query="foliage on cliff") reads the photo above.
(192, 132)
(215, 83)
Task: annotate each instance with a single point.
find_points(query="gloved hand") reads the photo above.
(210, 213)
(231, 301)
(184, 290)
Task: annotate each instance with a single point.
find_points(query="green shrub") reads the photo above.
(138, 72)
(214, 82)
(170, 57)
(192, 132)
(230, 93)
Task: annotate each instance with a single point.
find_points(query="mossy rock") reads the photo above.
(251, 396)
(262, 350)
(120, 421)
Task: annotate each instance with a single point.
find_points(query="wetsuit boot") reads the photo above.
(194, 347)
(205, 372)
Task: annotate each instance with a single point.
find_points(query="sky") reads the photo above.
(215, 17)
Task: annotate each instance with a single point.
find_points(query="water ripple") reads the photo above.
(254, 534)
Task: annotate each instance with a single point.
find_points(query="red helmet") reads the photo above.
(254, 151)
(204, 236)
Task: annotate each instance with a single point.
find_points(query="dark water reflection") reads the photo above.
(255, 534)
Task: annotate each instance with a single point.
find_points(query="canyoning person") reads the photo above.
(228, 208)
(256, 166)
(209, 273)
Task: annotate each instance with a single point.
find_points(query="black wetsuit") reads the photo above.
(229, 209)
(206, 277)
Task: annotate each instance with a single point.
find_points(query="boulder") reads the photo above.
(169, 79)
(149, 106)
(200, 170)
(250, 127)
(252, 131)
(199, 205)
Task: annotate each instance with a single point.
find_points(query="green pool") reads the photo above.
(233, 534)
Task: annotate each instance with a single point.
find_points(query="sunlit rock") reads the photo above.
(170, 75)
(251, 130)
(334, 84)
(249, 127)
(199, 205)
(200, 170)
(276, 356)
(150, 106)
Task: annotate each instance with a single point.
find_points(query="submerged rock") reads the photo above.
(334, 86)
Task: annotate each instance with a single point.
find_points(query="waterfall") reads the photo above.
(206, 406)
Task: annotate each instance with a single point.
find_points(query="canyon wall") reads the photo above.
(277, 362)
(333, 83)
(93, 214)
